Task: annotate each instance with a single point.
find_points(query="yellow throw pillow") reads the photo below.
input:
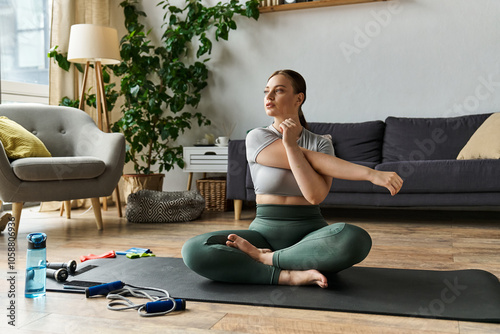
(19, 142)
(485, 142)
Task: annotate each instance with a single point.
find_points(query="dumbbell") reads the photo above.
(60, 275)
(70, 266)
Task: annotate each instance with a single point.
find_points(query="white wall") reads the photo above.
(414, 58)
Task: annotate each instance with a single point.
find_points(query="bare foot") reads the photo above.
(302, 277)
(262, 255)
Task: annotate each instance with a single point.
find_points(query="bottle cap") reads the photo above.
(36, 240)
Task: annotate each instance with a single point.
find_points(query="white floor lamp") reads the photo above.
(89, 43)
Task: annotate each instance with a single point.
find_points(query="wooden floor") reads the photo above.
(401, 239)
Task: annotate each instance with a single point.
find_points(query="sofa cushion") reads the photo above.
(485, 142)
(19, 142)
(411, 139)
(445, 176)
(354, 141)
(58, 168)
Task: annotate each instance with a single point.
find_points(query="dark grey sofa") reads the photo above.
(422, 151)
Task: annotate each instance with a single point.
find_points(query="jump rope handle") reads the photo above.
(165, 305)
(103, 289)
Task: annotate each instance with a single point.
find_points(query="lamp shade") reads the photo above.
(89, 42)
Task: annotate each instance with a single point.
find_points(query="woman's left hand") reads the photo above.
(389, 180)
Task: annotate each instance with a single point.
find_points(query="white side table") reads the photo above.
(203, 159)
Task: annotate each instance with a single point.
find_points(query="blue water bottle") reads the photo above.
(36, 265)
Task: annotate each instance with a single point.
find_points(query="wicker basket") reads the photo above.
(214, 192)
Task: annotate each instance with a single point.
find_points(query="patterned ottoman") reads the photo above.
(151, 206)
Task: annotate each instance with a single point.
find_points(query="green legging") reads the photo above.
(299, 236)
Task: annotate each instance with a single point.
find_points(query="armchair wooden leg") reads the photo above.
(96, 206)
(17, 208)
(238, 205)
(118, 201)
(105, 203)
(67, 207)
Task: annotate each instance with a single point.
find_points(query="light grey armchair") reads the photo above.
(85, 162)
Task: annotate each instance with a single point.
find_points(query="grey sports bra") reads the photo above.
(278, 181)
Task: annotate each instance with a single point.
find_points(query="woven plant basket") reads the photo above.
(214, 192)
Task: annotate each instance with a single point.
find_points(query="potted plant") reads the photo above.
(158, 82)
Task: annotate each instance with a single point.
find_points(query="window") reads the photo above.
(24, 44)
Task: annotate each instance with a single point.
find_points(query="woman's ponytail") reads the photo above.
(302, 119)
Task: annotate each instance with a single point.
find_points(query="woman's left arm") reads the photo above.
(277, 155)
(314, 186)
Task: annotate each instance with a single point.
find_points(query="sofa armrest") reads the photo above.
(237, 170)
(8, 180)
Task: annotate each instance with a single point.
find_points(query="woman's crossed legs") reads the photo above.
(245, 256)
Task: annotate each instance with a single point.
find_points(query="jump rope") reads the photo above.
(117, 292)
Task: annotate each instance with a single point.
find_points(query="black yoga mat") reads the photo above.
(469, 295)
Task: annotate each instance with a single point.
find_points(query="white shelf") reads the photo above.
(311, 4)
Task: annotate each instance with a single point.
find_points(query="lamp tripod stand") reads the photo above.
(101, 105)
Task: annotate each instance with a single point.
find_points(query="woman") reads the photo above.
(289, 242)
